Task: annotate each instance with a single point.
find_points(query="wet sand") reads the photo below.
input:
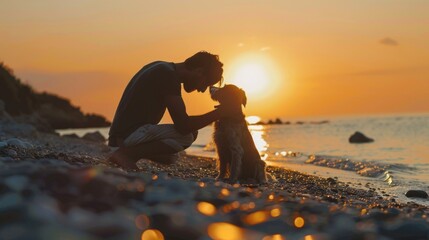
(54, 187)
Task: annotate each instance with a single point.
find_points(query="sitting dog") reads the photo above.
(238, 157)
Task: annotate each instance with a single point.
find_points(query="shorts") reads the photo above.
(165, 133)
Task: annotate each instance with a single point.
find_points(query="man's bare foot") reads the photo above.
(120, 158)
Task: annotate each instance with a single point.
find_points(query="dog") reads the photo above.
(238, 157)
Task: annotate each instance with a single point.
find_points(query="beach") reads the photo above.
(55, 187)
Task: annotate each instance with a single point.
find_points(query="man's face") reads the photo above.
(196, 80)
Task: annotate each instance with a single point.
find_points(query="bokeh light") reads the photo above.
(225, 231)
(225, 192)
(206, 208)
(275, 212)
(152, 234)
(299, 222)
(256, 217)
(274, 237)
(308, 237)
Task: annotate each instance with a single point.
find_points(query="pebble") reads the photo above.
(11, 153)
(10, 200)
(17, 182)
(3, 144)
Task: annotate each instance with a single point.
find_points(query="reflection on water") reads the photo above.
(258, 133)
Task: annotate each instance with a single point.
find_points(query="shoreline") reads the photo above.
(54, 185)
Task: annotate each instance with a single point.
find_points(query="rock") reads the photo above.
(417, 194)
(359, 137)
(3, 144)
(94, 137)
(3, 114)
(19, 143)
(72, 135)
(19, 129)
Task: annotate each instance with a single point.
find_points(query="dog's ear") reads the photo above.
(243, 97)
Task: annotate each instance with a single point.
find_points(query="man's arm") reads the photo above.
(187, 124)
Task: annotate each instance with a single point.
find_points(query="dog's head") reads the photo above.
(229, 94)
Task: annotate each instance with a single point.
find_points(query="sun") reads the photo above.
(255, 74)
(252, 77)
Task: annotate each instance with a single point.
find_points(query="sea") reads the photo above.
(397, 160)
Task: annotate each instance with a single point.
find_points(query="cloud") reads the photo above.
(389, 41)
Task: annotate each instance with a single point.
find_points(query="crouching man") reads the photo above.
(156, 87)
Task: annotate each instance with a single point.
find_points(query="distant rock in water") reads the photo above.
(45, 111)
(94, 137)
(417, 194)
(359, 137)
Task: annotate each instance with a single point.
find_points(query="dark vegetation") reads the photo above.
(21, 100)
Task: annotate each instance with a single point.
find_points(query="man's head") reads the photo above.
(204, 70)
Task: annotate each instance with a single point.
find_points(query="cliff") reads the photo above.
(47, 110)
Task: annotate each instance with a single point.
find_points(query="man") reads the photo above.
(155, 88)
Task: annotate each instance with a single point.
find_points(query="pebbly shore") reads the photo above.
(54, 187)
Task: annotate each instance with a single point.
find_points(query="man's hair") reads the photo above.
(211, 65)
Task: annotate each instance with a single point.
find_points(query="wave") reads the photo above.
(364, 168)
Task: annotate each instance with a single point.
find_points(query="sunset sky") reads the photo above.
(308, 58)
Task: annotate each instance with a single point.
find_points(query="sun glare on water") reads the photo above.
(253, 119)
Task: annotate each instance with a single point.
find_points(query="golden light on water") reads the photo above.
(299, 222)
(253, 119)
(225, 231)
(206, 208)
(152, 234)
(258, 133)
(256, 217)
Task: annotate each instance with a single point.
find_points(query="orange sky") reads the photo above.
(325, 57)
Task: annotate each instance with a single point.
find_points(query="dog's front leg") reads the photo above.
(222, 169)
(236, 161)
